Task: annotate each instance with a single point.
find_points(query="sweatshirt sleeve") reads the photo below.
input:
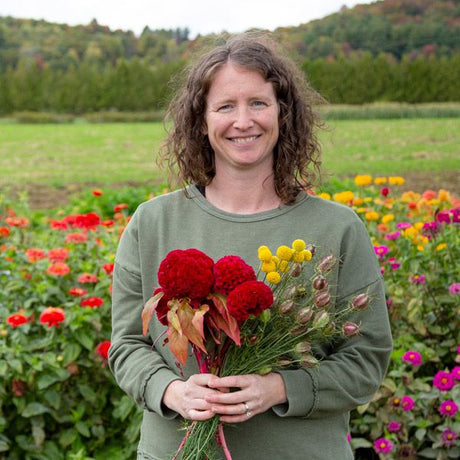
(138, 369)
(351, 371)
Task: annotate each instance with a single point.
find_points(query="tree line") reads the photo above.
(136, 85)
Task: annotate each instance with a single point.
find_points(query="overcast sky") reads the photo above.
(200, 16)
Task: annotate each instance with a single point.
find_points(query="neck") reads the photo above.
(243, 195)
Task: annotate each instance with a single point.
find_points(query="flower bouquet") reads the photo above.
(239, 322)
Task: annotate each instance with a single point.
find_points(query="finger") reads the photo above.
(231, 409)
(200, 415)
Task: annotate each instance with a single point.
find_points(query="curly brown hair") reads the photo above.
(296, 155)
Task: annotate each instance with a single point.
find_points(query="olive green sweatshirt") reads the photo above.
(313, 424)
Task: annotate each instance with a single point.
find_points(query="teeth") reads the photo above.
(241, 140)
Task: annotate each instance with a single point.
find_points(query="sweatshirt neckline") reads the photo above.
(207, 207)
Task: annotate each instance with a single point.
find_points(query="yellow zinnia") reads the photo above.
(324, 195)
(344, 197)
(363, 179)
(388, 218)
(372, 215)
(380, 180)
(441, 246)
(396, 180)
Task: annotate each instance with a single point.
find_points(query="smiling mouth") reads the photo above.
(243, 140)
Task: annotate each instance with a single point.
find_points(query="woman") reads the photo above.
(243, 138)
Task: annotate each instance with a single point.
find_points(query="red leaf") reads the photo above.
(178, 344)
(148, 311)
(222, 318)
(186, 316)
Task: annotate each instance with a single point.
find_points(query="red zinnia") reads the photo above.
(249, 298)
(34, 254)
(58, 254)
(88, 221)
(4, 231)
(186, 273)
(52, 316)
(77, 292)
(119, 207)
(92, 302)
(58, 269)
(229, 272)
(103, 349)
(16, 320)
(108, 268)
(97, 192)
(87, 278)
(76, 238)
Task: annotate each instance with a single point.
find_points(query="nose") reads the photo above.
(243, 120)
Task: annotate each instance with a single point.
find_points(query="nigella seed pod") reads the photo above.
(350, 329)
(285, 362)
(252, 339)
(296, 271)
(309, 361)
(286, 307)
(322, 299)
(320, 283)
(302, 348)
(299, 329)
(290, 292)
(304, 315)
(360, 302)
(321, 319)
(327, 264)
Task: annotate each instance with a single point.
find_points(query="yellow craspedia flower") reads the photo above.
(380, 180)
(264, 254)
(268, 266)
(275, 260)
(343, 197)
(283, 266)
(387, 218)
(297, 257)
(358, 201)
(396, 180)
(371, 215)
(284, 252)
(298, 245)
(324, 195)
(443, 195)
(273, 277)
(307, 255)
(363, 179)
(441, 246)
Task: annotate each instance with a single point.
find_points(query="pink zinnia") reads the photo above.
(383, 445)
(393, 235)
(380, 251)
(454, 288)
(394, 426)
(403, 225)
(448, 408)
(418, 279)
(455, 373)
(407, 403)
(444, 381)
(412, 357)
(449, 437)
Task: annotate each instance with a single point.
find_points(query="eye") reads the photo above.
(258, 104)
(224, 108)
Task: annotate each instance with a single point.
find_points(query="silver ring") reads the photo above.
(248, 411)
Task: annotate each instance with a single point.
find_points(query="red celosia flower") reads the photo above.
(4, 231)
(103, 349)
(77, 292)
(119, 207)
(52, 316)
(186, 273)
(58, 254)
(34, 254)
(16, 320)
(58, 269)
(108, 268)
(229, 272)
(88, 221)
(92, 302)
(249, 298)
(87, 278)
(76, 238)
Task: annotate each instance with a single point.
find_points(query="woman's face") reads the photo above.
(241, 119)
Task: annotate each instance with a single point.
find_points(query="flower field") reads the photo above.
(58, 399)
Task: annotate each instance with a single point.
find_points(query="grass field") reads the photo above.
(113, 153)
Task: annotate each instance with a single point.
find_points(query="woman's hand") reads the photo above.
(189, 398)
(254, 394)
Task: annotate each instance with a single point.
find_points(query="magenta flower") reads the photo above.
(393, 264)
(443, 216)
(454, 288)
(418, 279)
(448, 408)
(393, 426)
(383, 445)
(393, 235)
(449, 437)
(403, 225)
(444, 381)
(407, 403)
(455, 373)
(380, 251)
(455, 215)
(412, 357)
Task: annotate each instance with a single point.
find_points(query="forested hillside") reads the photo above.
(410, 46)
